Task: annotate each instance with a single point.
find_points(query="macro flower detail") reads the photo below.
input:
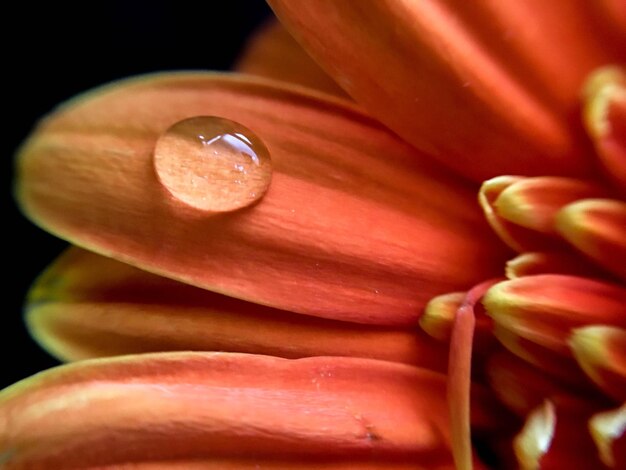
(224, 410)
(310, 222)
(347, 297)
(212, 164)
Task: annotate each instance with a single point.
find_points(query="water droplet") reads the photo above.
(213, 164)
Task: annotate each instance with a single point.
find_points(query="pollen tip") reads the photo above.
(535, 438)
(438, 315)
(603, 89)
(605, 428)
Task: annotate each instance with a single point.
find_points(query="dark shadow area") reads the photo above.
(61, 50)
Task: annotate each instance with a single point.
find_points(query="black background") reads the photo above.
(54, 51)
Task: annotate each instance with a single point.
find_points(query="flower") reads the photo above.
(360, 231)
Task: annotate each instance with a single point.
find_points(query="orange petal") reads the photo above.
(608, 430)
(87, 306)
(533, 203)
(487, 89)
(220, 407)
(530, 264)
(601, 352)
(355, 225)
(522, 211)
(597, 227)
(614, 13)
(518, 238)
(545, 308)
(551, 61)
(605, 119)
(273, 53)
(535, 315)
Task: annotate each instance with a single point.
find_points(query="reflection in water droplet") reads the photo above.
(213, 164)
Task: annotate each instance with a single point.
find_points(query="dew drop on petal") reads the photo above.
(212, 164)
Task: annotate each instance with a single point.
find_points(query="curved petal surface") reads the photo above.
(228, 408)
(356, 225)
(86, 306)
(487, 89)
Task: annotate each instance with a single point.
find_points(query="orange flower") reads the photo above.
(331, 256)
